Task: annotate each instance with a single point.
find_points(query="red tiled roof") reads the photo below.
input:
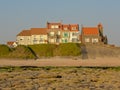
(90, 31)
(24, 33)
(37, 31)
(74, 26)
(65, 26)
(10, 43)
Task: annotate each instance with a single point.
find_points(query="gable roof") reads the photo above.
(10, 43)
(38, 31)
(90, 31)
(25, 33)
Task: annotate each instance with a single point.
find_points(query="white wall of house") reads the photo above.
(24, 40)
(95, 40)
(14, 44)
(30, 40)
(38, 39)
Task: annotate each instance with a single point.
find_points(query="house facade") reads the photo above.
(93, 35)
(63, 33)
(54, 33)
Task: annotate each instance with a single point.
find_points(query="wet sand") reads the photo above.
(62, 62)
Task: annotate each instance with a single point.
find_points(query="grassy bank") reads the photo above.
(4, 51)
(41, 50)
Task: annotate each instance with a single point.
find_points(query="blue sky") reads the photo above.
(16, 15)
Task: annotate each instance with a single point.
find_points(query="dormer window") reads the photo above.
(65, 28)
(74, 28)
(52, 33)
(54, 26)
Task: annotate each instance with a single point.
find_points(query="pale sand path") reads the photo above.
(62, 62)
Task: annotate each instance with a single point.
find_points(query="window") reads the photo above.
(52, 40)
(94, 40)
(54, 26)
(35, 41)
(74, 34)
(65, 28)
(87, 40)
(52, 33)
(41, 39)
(74, 28)
(65, 34)
(74, 40)
(64, 40)
(21, 38)
(58, 32)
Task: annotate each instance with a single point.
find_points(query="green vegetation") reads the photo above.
(4, 51)
(50, 50)
(69, 49)
(21, 52)
(41, 50)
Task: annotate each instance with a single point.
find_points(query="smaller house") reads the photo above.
(92, 35)
(12, 44)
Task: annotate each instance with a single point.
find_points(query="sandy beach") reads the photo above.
(56, 61)
(60, 78)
